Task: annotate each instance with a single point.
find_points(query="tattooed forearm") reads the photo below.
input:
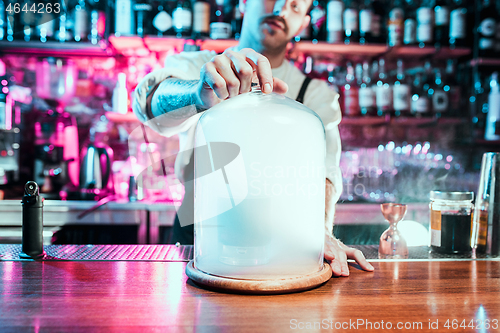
(174, 95)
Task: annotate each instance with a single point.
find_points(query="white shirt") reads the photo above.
(187, 65)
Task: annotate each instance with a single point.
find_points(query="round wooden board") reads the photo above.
(259, 287)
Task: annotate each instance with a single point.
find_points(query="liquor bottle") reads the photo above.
(458, 24)
(441, 23)
(220, 26)
(201, 19)
(97, 21)
(236, 21)
(162, 21)
(401, 92)
(334, 21)
(492, 131)
(318, 18)
(81, 22)
(378, 21)
(383, 91)
(486, 29)
(410, 24)
(350, 93)
(46, 26)
(454, 89)
(497, 30)
(182, 17)
(351, 29)
(425, 24)
(124, 18)
(438, 96)
(367, 101)
(62, 33)
(28, 20)
(142, 10)
(395, 24)
(420, 105)
(10, 20)
(365, 22)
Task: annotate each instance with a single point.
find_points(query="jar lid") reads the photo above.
(452, 195)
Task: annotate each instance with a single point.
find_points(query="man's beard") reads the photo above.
(277, 44)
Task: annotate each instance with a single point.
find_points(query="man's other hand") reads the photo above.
(337, 253)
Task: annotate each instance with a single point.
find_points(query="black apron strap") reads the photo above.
(302, 92)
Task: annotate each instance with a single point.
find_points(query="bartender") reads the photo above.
(171, 100)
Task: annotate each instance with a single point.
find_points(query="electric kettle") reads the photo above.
(96, 179)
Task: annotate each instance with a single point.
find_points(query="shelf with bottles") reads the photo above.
(51, 48)
(129, 45)
(401, 121)
(485, 62)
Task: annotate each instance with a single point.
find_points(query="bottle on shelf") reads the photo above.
(366, 93)
(420, 103)
(81, 22)
(458, 24)
(236, 21)
(441, 23)
(220, 28)
(438, 95)
(351, 22)
(497, 30)
(27, 20)
(425, 24)
(62, 32)
(383, 91)
(182, 18)
(10, 20)
(486, 29)
(142, 10)
(162, 21)
(492, 131)
(350, 93)
(2, 21)
(454, 89)
(318, 18)
(201, 19)
(97, 21)
(401, 92)
(395, 24)
(410, 23)
(365, 22)
(46, 25)
(124, 18)
(334, 21)
(378, 22)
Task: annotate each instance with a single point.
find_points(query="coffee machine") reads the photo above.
(10, 120)
(56, 162)
(56, 165)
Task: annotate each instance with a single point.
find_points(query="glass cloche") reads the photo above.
(259, 206)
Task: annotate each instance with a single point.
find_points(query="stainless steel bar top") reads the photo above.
(10, 252)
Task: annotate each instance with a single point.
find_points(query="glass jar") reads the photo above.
(451, 220)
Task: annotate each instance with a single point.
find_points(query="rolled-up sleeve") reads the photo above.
(184, 66)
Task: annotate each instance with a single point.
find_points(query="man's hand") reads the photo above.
(231, 73)
(337, 254)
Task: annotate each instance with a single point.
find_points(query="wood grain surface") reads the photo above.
(158, 297)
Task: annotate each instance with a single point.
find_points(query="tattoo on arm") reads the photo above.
(172, 96)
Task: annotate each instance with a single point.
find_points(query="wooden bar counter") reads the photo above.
(156, 296)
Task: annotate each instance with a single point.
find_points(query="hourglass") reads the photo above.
(392, 244)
